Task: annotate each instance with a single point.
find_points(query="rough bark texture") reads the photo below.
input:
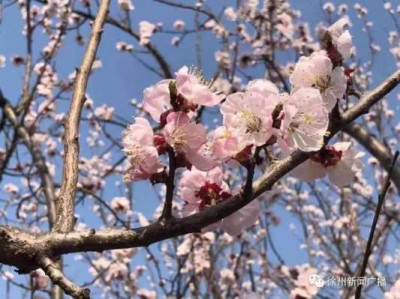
(66, 202)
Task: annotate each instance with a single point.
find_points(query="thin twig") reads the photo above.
(375, 148)
(368, 249)
(37, 157)
(167, 210)
(58, 278)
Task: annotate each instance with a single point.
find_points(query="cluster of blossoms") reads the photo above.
(254, 118)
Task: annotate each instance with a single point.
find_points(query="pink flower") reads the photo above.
(179, 25)
(242, 219)
(204, 189)
(104, 112)
(339, 161)
(265, 88)
(182, 134)
(124, 47)
(123, 255)
(126, 5)
(187, 139)
(191, 84)
(248, 116)
(230, 13)
(394, 292)
(156, 99)
(224, 145)
(304, 288)
(117, 271)
(121, 204)
(39, 279)
(341, 38)
(305, 121)
(203, 158)
(139, 147)
(146, 30)
(285, 25)
(316, 71)
(2, 61)
(191, 90)
(146, 294)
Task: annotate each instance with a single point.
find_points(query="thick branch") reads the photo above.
(372, 97)
(376, 149)
(66, 201)
(19, 248)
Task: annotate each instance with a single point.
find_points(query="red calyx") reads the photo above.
(161, 145)
(328, 156)
(211, 193)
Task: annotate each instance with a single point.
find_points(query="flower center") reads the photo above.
(179, 138)
(135, 154)
(210, 193)
(328, 156)
(198, 74)
(322, 83)
(252, 122)
(307, 118)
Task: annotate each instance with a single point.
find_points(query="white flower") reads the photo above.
(104, 112)
(2, 61)
(305, 121)
(316, 71)
(339, 161)
(179, 25)
(126, 5)
(146, 30)
(242, 219)
(39, 279)
(124, 47)
(394, 292)
(230, 13)
(120, 204)
(248, 116)
(341, 38)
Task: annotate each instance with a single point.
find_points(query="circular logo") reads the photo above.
(316, 280)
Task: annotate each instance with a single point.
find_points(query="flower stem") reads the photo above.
(167, 210)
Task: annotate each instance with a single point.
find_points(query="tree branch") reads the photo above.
(58, 278)
(368, 249)
(376, 149)
(23, 249)
(37, 157)
(150, 47)
(167, 210)
(66, 201)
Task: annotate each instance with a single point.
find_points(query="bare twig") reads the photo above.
(377, 149)
(37, 157)
(65, 203)
(58, 278)
(166, 71)
(167, 210)
(368, 249)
